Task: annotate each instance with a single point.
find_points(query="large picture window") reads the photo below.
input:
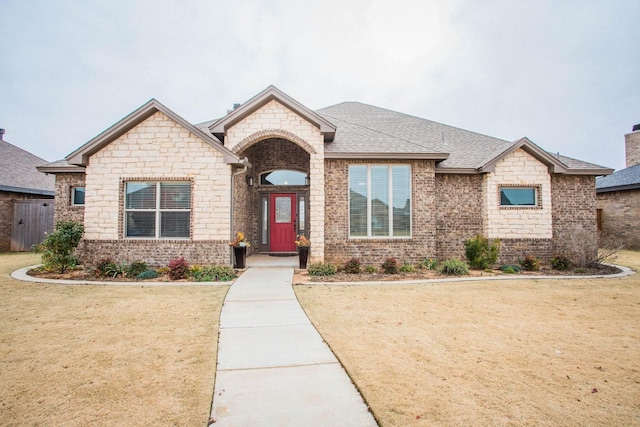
(379, 201)
(157, 209)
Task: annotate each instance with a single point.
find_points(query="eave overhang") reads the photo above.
(21, 190)
(53, 168)
(81, 156)
(219, 128)
(387, 156)
(618, 188)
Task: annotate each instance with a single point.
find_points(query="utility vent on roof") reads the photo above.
(636, 127)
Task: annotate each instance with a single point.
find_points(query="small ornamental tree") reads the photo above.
(59, 246)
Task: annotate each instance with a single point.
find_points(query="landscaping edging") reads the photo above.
(23, 276)
(625, 271)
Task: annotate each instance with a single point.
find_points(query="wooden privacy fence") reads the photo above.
(32, 220)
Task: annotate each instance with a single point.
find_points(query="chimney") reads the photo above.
(632, 146)
(1, 134)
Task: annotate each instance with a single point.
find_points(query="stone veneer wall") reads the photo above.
(621, 216)
(340, 248)
(158, 149)
(458, 216)
(64, 211)
(274, 120)
(574, 208)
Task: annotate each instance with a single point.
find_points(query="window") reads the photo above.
(77, 196)
(379, 201)
(518, 196)
(283, 177)
(157, 209)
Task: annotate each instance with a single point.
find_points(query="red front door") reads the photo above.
(282, 218)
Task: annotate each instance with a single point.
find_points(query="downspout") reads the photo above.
(233, 176)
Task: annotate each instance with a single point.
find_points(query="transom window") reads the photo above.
(379, 201)
(283, 177)
(157, 209)
(518, 196)
(77, 196)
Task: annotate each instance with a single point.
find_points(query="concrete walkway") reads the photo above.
(274, 369)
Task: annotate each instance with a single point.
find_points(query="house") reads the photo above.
(618, 196)
(359, 180)
(26, 198)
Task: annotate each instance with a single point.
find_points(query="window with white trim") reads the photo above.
(77, 196)
(379, 200)
(157, 210)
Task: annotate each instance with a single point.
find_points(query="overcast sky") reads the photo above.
(566, 74)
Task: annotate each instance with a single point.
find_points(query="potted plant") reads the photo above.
(303, 245)
(239, 245)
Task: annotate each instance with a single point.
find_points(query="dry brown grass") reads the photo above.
(521, 352)
(105, 355)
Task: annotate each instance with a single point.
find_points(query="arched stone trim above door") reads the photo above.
(273, 133)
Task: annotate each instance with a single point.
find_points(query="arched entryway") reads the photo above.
(271, 201)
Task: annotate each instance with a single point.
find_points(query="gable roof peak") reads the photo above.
(219, 127)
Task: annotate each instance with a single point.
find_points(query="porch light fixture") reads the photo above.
(307, 180)
(249, 180)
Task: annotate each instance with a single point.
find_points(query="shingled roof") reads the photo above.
(18, 172)
(624, 179)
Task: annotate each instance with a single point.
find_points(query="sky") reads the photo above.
(564, 73)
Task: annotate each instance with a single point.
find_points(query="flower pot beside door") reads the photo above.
(303, 256)
(239, 256)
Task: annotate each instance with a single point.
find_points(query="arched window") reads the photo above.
(283, 177)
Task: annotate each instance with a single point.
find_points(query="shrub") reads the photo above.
(560, 262)
(530, 263)
(135, 268)
(58, 247)
(390, 266)
(147, 274)
(353, 266)
(107, 267)
(407, 268)
(322, 269)
(429, 264)
(178, 269)
(481, 253)
(510, 269)
(370, 269)
(215, 273)
(454, 267)
(580, 270)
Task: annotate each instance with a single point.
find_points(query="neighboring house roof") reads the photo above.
(81, 155)
(624, 179)
(18, 172)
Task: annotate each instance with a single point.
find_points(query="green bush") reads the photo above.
(135, 268)
(178, 269)
(429, 264)
(322, 269)
(107, 267)
(215, 273)
(454, 267)
(58, 246)
(147, 274)
(370, 269)
(530, 263)
(510, 269)
(353, 266)
(560, 262)
(481, 253)
(390, 266)
(407, 268)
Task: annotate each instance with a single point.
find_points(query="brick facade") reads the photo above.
(574, 209)
(632, 148)
(64, 210)
(340, 248)
(621, 216)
